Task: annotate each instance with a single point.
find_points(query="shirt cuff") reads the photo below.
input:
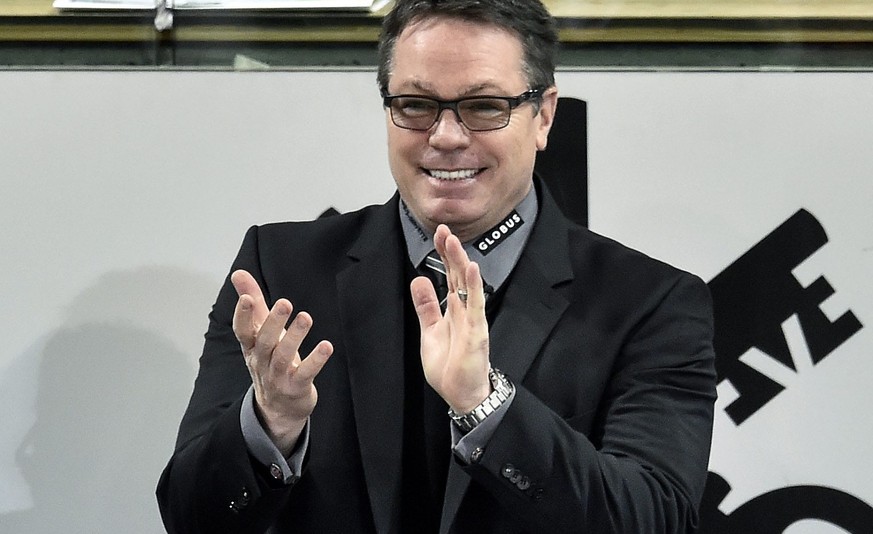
(463, 445)
(262, 448)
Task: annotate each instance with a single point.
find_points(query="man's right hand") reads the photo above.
(284, 391)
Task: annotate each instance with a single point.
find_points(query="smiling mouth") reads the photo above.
(460, 174)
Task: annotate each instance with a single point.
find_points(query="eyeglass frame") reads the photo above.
(513, 101)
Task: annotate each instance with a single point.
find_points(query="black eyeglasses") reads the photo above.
(476, 113)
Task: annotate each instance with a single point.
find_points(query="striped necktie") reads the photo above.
(436, 271)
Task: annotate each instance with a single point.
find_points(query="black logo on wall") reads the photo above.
(773, 512)
(753, 297)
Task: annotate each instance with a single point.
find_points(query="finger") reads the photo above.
(274, 326)
(313, 364)
(456, 263)
(475, 322)
(285, 355)
(269, 335)
(439, 239)
(439, 242)
(475, 291)
(427, 305)
(243, 323)
(245, 284)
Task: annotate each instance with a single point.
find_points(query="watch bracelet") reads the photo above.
(503, 389)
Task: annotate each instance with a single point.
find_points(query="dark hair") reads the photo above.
(527, 19)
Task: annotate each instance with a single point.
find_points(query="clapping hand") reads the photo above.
(284, 391)
(454, 346)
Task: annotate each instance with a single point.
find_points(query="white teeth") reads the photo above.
(453, 175)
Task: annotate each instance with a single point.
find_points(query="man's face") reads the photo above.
(448, 174)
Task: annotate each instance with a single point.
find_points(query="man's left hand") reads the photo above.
(454, 346)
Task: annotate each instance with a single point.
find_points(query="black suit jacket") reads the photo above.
(611, 353)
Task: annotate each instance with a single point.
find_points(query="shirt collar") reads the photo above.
(496, 264)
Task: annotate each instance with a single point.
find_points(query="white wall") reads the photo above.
(125, 196)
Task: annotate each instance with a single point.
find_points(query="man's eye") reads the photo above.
(485, 107)
(412, 106)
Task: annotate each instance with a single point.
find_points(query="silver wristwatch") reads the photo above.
(503, 389)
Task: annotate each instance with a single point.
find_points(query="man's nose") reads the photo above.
(449, 132)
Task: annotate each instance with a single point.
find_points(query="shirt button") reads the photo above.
(477, 455)
(276, 472)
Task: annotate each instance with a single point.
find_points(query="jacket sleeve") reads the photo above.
(638, 464)
(211, 483)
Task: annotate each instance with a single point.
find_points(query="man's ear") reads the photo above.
(546, 116)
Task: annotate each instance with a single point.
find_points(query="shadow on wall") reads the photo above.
(112, 385)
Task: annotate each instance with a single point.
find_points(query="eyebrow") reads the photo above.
(473, 90)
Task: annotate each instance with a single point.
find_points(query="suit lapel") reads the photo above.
(371, 292)
(533, 304)
(529, 311)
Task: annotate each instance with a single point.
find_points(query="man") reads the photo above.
(567, 387)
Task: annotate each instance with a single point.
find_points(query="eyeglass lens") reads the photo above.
(419, 113)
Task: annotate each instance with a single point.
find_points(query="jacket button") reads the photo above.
(242, 502)
(276, 472)
(508, 470)
(523, 484)
(477, 455)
